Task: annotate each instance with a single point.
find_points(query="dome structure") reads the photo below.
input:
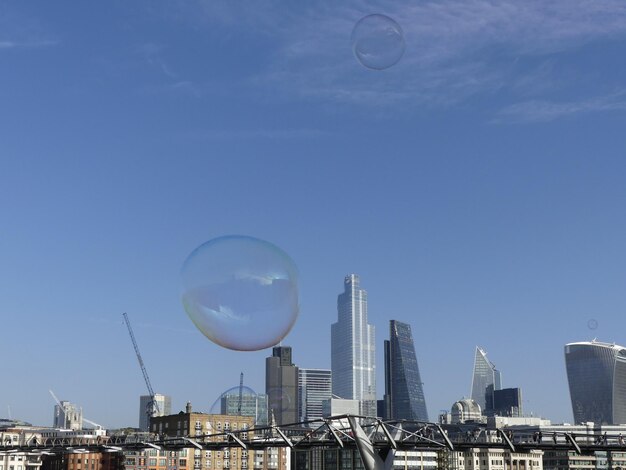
(465, 410)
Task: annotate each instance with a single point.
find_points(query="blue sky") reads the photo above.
(477, 187)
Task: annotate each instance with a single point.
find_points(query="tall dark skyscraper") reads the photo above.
(596, 373)
(404, 394)
(353, 354)
(485, 379)
(281, 386)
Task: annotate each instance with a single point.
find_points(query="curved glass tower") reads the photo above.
(596, 373)
(403, 385)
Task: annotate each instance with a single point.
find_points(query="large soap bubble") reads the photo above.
(241, 292)
(252, 404)
(377, 42)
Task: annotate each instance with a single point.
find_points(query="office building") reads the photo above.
(67, 416)
(281, 386)
(319, 458)
(210, 427)
(164, 406)
(403, 385)
(507, 402)
(482, 458)
(352, 349)
(596, 373)
(248, 403)
(314, 386)
(83, 461)
(485, 380)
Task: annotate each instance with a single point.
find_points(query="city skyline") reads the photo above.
(476, 186)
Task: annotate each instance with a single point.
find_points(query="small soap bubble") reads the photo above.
(377, 42)
(252, 404)
(241, 292)
(592, 324)
(279, 399)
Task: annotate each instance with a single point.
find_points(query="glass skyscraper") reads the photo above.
(314, 386)
(485, 380)
(404, 394)
(352, 348)
(596, 373)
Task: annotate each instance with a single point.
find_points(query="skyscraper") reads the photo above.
(352, 348)
(164, 402)
(485, 380)
(404, 393)
(314, 386)
(596, 373)
(281, 386)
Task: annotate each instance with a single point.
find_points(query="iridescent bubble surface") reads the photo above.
(592, 324)
(278, 399)
(377, 42)
(252, 404)
(241, 292)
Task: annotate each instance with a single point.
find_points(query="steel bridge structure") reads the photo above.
(376, 440)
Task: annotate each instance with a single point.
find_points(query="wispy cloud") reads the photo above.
(455, 49)
(151, 54)
(545, 111)
(27, 44)
(245, 134)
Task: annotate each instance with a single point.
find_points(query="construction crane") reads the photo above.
(58, 402)
(153, 407)
(240, 394)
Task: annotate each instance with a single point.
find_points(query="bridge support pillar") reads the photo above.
(370, 456)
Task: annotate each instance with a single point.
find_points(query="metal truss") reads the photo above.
(376, 440)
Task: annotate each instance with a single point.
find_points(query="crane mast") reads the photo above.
(240, 394)
(153, 406)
